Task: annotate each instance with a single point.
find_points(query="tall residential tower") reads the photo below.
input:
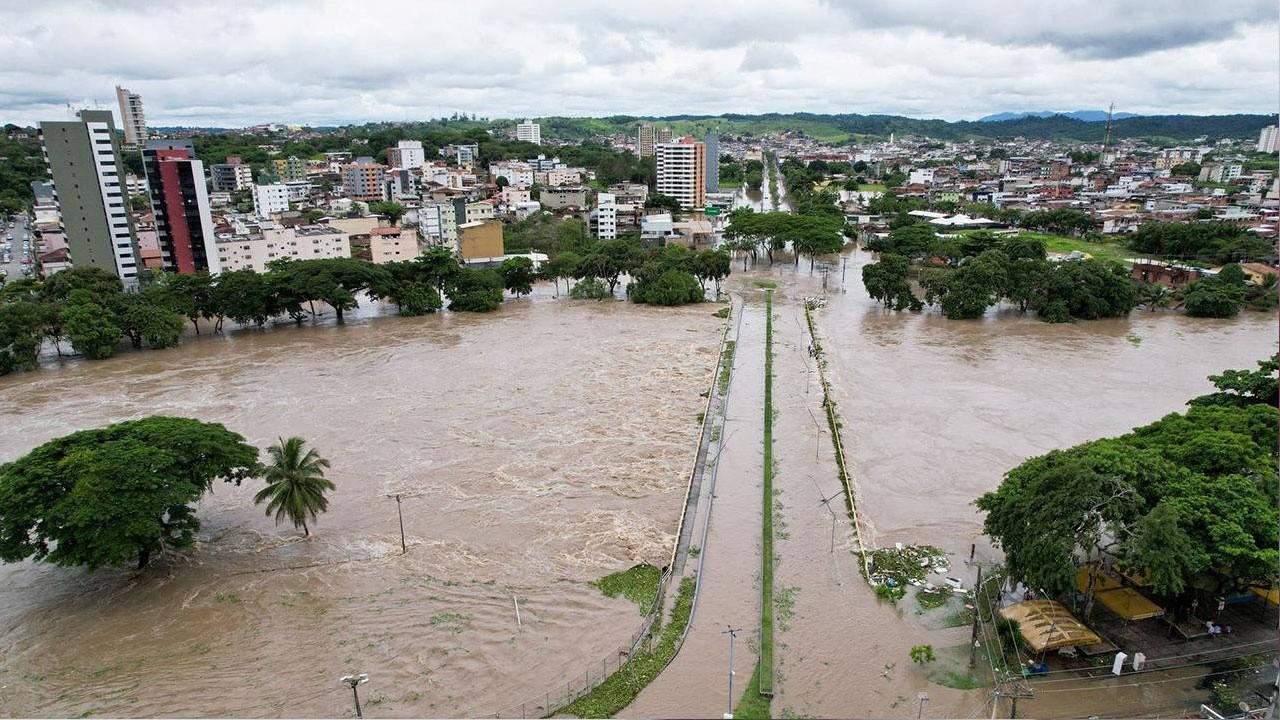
(132, 117)
(713, 162)
(180, 203)
(529, 131)
(84, 160)
(682, 171)
(645, 140)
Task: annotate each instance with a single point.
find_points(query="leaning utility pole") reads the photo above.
(1106, 137)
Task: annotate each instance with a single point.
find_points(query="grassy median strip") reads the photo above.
(753, 705)
(765, 672)
(639, 585)
(621, 688)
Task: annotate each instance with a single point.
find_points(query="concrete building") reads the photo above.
(388, 244)
(645, 140)
(469, 212)
(712, 182)
(437, 224)
(229, 177)
(403, 185)
(529, 131)
(270, 199)
(463, 154)
(480, 241)
(682, 171)
(132, 117)
(663, 136)
(564, 198)
(301, 243)
(364, 180)
(604, 219)
(1269, 139)
(83, 157)
(299, 191)
(518, 174)
(290, 169)
(407, 154)
(180, 206)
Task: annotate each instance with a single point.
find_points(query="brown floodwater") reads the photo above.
(535, 450)
(934, 412)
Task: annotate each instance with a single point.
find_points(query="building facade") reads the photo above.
(83, 157)
(604, 220)
(682, 171)
(387, 244)
(480, 241)
(407, 154)
(645, 140)
(1269, 139)
(308, 242)
(529, 131)
(270, 199)
(663, 136)
(132, 117)
(180, 206)
(365, 181)
(290, 169)
(712, 181)
(229, 177)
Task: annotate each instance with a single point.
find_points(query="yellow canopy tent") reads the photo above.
(1272, 596)
(1048, 625)
(1123, 601)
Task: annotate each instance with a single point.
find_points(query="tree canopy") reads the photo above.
(101, 497)
(1188, 501)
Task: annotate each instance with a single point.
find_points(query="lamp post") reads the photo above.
(732, 632)
(400, 514)
(923, 698)
(355, 681)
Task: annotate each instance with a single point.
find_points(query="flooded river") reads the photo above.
(535, 450)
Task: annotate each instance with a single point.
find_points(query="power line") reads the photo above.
(1148, 661)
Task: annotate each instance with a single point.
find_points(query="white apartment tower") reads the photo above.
(132, 117)
(529, 131)
(682, 167)
(606, 216)
(406, 154)
(1269, 139)
(268, 199)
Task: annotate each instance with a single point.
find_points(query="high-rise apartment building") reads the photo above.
(1269, 139)
(180, 205)
(406, 154)
(83, 157)
(645, 140)
(290, 169)
(713, 162)
(231, 176)
(604, 219)
(364, 180)
(682, 171)
(664, 135)
(529, 131)
(270, 199)
(132, 117)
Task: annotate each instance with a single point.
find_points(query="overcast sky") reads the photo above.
(324, 62)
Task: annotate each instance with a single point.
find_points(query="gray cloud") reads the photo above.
(768, 57)
(1085, 28)
(316, 61)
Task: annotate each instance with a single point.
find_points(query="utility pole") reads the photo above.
(732, 632)
(403, 547)
(923, 697)
(973, 636)
(355, 681)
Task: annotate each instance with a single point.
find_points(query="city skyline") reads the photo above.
(918, 59)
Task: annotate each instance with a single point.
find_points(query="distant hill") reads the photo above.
(1085, 115)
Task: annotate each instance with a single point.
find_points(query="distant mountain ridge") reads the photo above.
(1085, 115)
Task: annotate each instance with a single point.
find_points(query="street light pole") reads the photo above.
(923, 698)
(355, 681)
(732, 632)
(400, 514)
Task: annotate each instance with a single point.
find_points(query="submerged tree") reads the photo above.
(295, 483)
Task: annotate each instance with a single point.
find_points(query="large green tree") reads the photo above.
(296, 484)
(126, 491)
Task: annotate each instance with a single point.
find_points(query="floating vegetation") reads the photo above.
(907, 564)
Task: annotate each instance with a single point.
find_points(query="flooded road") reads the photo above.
(536, 449)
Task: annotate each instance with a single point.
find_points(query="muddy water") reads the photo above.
(535, 450)
(934, 412)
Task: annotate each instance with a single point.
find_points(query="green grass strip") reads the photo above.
(765, 671)
(753, 705)
(621, 688)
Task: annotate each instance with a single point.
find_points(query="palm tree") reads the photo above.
(295, 483)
